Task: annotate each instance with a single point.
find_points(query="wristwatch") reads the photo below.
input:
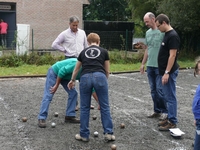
(166, 72)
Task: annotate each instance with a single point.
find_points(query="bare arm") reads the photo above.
(55, 87)
(171, 59)
(144, 60)
(71, 84)
(107, 67)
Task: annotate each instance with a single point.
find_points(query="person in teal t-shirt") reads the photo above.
(59, 73)
(153, 40)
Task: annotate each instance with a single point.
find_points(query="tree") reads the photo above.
(184, 17)
(109, 10)
(139, 8)
(183, 14)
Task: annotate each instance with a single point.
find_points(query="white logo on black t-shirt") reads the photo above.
(92, 53)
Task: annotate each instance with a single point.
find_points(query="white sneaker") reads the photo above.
(163, 116)
(78, 137)
(109, 137)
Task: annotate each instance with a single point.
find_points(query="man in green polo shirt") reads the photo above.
(59, 73)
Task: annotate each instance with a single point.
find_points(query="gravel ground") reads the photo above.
(130, 103)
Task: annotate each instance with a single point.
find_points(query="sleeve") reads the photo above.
(174, 42)
(196, 100)
(85, 41)
(68, 69)
(58, 41)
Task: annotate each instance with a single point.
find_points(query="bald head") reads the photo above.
(149, 20)
(149, 15)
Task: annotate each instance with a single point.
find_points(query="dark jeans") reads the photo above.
(156, 90)
(48, 96)
(67, 57)
(197, 136)
(98, 81)
(169, 91)
(3, 39)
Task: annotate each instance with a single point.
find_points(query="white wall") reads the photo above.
(23, 34)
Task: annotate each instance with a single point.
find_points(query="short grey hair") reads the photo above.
(150, 15)
(73, 19)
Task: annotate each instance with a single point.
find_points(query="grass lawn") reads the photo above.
(42, 70)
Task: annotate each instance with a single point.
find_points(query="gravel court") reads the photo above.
(130, 103)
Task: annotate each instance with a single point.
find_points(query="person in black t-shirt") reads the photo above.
(95, 64)
(168, 69)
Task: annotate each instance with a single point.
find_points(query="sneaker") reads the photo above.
(76, 109)
(163, 116)
(71, 119)
(109, 137)
(78, 137)
(154, 115)
(166, 127)
(41, 123)
(163, 122)
(91, 107)
(192, 144)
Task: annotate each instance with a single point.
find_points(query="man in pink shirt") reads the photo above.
(3, 27)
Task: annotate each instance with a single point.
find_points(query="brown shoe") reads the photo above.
(71, 119)
(166, 127)
(154, 115)
(42, 123)
(163, 122)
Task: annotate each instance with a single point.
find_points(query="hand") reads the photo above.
(53, 89)
(165, 78)
(71, 85)
(142, 69)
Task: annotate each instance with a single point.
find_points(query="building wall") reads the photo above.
(47, 18)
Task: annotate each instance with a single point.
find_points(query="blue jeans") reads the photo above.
(169, 90)
(197, 136)
(98, 81)
(47, 97)
(154, 78)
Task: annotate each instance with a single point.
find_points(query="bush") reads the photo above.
(33, 58)
(13, 60)
(125, 57)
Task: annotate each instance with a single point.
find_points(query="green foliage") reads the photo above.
(112, 10)
(36, 59)
(116, 57)
(33, 58)
(123, 45)
(11, 61)
(183, 15)
(14, 42)
(124, 57)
